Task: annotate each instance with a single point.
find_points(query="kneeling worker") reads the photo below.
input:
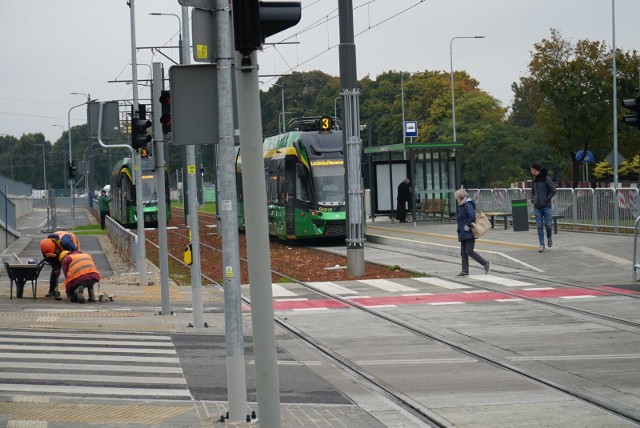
(80, 272)
(51, 247)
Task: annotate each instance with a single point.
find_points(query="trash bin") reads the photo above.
(520, 215)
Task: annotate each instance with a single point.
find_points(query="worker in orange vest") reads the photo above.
(80, 273)
(51, 247)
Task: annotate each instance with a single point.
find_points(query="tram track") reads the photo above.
(549, 281)
(400, 400)
(416, 409)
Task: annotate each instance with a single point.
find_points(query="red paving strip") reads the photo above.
(483, 296)
(283, 305)
(618, 290)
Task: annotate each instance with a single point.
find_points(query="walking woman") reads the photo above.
(466, 214)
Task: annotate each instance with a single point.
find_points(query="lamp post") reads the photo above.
(44, 177)
(282, 128)
(64, 158)
(402, 100)
(44, 167)
(453, 105)
(73, 213)
(179, 31)
(615, 116)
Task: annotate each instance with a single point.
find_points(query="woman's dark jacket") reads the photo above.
(465, 214)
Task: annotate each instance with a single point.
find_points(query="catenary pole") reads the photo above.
(158, 152)
(351, 140)
(616, 218)
(191, 200)
(141, 261)
(255, 210)
(227, 212)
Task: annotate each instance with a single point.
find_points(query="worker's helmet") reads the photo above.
(48, 248)
(63, 255)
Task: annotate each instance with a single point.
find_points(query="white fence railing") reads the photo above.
(582, 207)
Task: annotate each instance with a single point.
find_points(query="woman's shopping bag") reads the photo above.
(481, 225)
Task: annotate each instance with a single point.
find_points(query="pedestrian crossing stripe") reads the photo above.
(507, 282)
(386, 285)
(393, 299)
(116, 365)
(332, 288)
(442, 283)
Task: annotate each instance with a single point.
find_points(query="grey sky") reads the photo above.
(53, 48)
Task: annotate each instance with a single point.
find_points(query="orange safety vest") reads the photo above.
(80, 264)
(60, 234)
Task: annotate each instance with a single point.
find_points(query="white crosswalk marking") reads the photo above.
(386, 285)
(332, 287)
(109, 365)
(501, 281)
(280, 291)
(441, 283)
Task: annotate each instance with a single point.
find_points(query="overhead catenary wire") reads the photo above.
(324, 21)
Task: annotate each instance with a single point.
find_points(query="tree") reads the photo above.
(567, 96)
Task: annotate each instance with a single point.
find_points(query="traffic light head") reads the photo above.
(73, 169)
(165, 118)
(255, 20)
(632, 104)
(139, 136)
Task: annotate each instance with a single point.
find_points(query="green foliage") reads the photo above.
(603, 170)
(566, 98)
(562, 105)
(630, 168)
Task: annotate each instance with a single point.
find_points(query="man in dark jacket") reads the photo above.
(404, 196)
(542, 192)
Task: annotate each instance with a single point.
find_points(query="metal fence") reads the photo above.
(601, 209)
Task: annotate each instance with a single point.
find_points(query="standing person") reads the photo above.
(51, 247)
(404, 196)
(466, 214)
(80, 272)
(103, 206)
(542, 192)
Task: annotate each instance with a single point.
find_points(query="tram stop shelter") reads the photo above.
(434, 171)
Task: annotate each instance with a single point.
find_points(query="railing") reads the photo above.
(125, 243)
(601, 209)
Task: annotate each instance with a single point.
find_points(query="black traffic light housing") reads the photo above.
(139, 126)
(632, 104)
(254, 21)
(165, 118)
(73, 169)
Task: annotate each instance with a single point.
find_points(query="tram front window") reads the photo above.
(149, 189)
(328, 181)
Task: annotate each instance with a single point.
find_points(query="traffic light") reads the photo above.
(632, 104)
(165, 119)
(73, 169)
(255, 20)
(139, 126)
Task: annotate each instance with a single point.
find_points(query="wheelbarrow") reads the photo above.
(20, 273)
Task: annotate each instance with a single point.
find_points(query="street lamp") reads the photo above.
(64, 157)
(44, 172)
(73, 214)
(402, 100)
(44, 167)
(282, 128)
(179, 31)
(453, 104)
